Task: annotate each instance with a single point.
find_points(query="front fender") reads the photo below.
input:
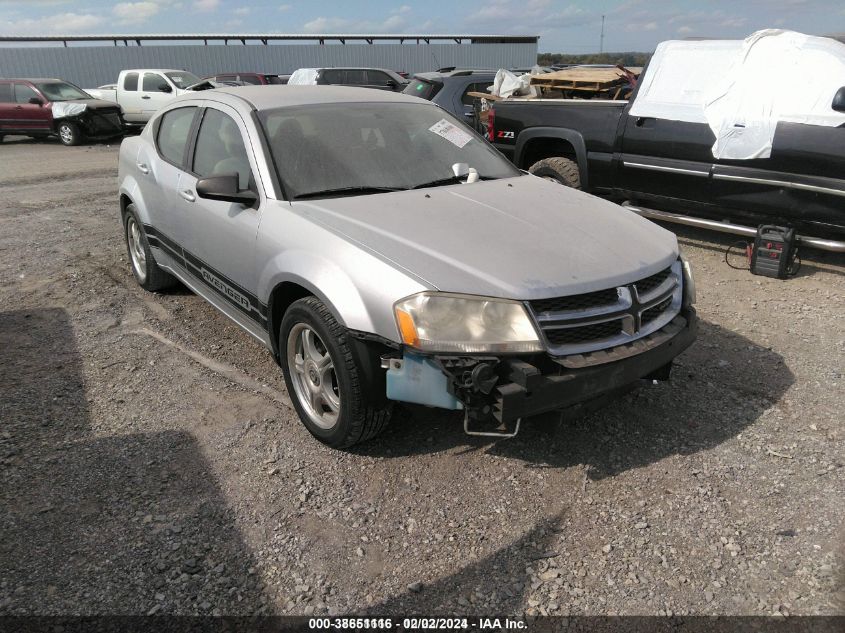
(325, 280)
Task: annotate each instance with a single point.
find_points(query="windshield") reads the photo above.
(384, 146)
(61, 91)
(183, 79)
(423, 89)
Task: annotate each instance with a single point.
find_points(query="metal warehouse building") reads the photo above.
(93, 60)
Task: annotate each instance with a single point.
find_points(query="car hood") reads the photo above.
(518, 238)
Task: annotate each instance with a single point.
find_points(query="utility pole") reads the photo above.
(601, 40)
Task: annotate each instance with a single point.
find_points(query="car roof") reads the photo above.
(155, 70)
(31, 79)
(468, 72)
(278, 96)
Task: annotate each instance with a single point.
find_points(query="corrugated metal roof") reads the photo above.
(502, 39)
(91, 66)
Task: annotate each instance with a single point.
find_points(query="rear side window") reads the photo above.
(24, 93)
(476, 87)
(251, 80)
(220, 148)
(356, 77)
(173, 132)
(225, 78)
(377, 78)
(423, 89)
(5, 93)
(130, 82)
(333, 76)
(152, 82)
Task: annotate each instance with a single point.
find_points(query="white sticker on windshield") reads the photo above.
(451, 133)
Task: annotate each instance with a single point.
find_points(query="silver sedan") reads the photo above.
(386, 252)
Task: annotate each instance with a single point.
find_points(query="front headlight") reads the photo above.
(441, 322)
(689, 282)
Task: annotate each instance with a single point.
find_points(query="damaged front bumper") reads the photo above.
(499, 391)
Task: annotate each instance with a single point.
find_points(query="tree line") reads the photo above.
(626, 59)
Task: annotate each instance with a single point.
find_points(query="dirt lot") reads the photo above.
(150, 461)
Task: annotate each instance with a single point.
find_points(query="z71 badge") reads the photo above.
(504, 134)
(232, 294)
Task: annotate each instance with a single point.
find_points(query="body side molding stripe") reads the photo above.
(234, 293)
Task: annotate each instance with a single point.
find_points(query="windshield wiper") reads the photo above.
(341, 191)
(451, 180)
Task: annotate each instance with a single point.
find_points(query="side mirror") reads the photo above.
(391, 83)
(165, 88)
(839, 100)
(36, 101)
(225, 189)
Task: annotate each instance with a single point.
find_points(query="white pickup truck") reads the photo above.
(140, 92)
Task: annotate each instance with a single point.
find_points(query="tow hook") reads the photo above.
(501, 432)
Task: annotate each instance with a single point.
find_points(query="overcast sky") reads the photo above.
(570, 26)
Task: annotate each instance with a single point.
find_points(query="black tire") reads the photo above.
(152, 278)
(361, 415)
(69, 133)
(559, 169)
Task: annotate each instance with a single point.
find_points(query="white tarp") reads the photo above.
(743, 88)
(507, 84)
(62, 109)
(303, 77)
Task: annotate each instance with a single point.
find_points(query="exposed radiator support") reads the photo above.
(836, 246)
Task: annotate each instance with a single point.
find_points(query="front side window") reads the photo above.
(24, 93)
(173, 132)
(385, 146)
(220, 149)
(152, 81)
(333, 76)
(61, 91)
(130, 82)
(377, 78)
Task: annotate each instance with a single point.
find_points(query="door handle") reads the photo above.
(187, 195)
(19, 107)
(143, 168)
(641, 120)
(145, 97)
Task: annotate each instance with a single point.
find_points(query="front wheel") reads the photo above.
(324, 379)
(144, 267)
(69, 133)
(558, 169)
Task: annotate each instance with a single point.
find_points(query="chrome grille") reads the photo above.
(588, 322)
(576, 302)
(648, 284)
(585, 333)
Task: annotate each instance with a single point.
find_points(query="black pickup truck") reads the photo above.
(665, 169)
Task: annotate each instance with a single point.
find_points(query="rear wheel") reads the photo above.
(323, 377)
(558, 169)
(144, 267)
(69, 133)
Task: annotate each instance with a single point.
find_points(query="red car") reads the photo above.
(51, 107)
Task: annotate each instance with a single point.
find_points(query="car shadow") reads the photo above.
(93, 523)
(719, 386)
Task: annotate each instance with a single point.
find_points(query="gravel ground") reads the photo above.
(150, 461)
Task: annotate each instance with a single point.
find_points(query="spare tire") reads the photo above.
(558, 169)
